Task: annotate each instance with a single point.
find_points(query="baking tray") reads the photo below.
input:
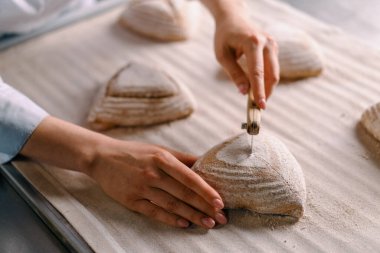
(54, 220)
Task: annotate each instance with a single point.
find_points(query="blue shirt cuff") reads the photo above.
(19, 117)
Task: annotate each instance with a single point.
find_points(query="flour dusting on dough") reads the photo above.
(269, 181)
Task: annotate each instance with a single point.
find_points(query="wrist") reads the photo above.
(91, 154)
(225, 9)
(87, 158)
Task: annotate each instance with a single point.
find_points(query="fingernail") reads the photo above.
(243, 88)
(221, 218)
(208, 222)
(218, 203)
(262, 103)
(183, 223)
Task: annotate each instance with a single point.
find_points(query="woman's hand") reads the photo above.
(148, 179)
(236, 36)
(157, 183)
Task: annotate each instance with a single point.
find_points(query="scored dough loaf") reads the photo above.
(299, 54)
(140, 95)
(269, 181)
(371, 120)
(167, 20)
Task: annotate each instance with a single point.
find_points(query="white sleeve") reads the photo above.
(19, 117)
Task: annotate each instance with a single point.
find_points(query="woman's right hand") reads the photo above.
(156, 182)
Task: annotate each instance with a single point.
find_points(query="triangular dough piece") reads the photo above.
(166, 20)
(269, 181)
(299, 54)
(140, 95)
(371, 120)
(139, 80)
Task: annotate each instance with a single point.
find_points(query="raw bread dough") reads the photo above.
(166, 20)
(268, 181)
(140, 95)
(299, 54)
(371, 120)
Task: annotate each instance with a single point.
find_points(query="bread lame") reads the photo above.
(253, 118)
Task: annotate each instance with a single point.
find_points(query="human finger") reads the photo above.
(228, 61)
(155, 212)
(188, 196)
(178, 207)
(177, 170)
(255, 62)
(185, 158)
(271, 66)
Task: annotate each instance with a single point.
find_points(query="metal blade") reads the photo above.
(251, 144)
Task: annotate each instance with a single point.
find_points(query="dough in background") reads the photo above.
(371, 120)
(167, 20)
(139, 95)
(299, 54)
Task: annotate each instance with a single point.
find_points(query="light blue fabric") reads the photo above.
(19, 117)
(23, 16)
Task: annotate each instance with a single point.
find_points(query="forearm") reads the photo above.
(224, 8)
(135, 174)
(145, 178)
(63, 144)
